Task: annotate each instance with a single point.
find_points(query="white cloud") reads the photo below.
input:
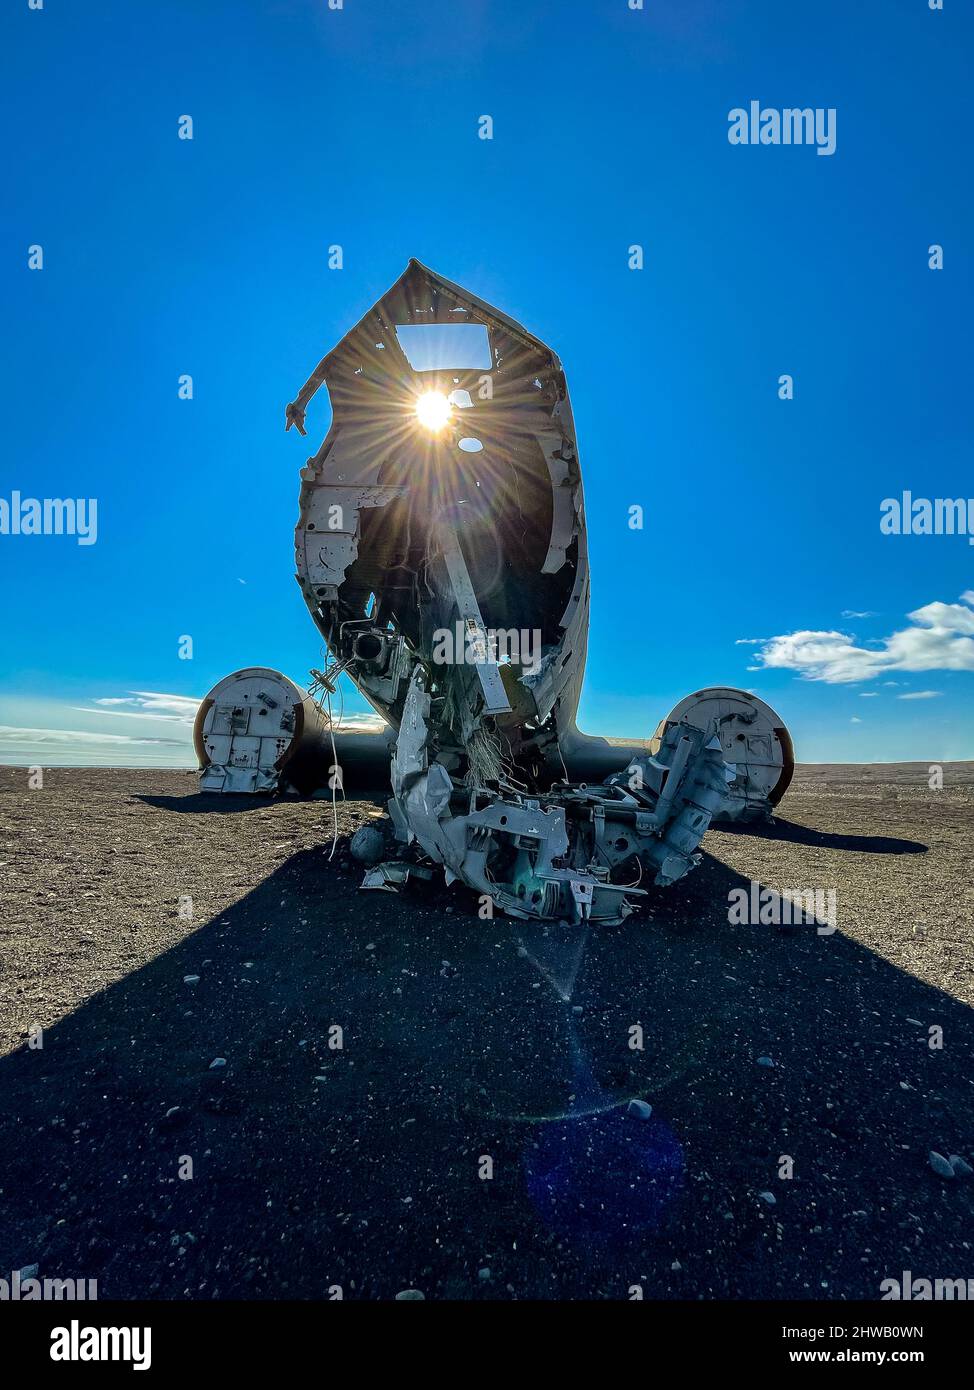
(26, 746)
(359, 722)
(11, 734)
(851, 613)
(131, 714)
(869, 695)
(940, 638)
(921, 695)
(855, 720)
(147, 704)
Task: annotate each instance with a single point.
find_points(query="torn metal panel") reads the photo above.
(330, 537)
(389, 877)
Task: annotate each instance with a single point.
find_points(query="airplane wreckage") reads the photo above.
(441, 550)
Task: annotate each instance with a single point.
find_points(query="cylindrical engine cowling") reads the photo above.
(256, 731)
(754, 741)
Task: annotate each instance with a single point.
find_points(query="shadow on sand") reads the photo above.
(776, 829)
(365, 1167)
(210, 803)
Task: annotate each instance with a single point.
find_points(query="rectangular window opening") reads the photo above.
(432, 347)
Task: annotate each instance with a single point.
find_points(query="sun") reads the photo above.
(433, 411)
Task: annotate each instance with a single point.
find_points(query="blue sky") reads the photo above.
(359, 127)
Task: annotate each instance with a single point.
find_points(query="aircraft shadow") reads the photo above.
(777, 829)
(210, 803)
(420, 1153)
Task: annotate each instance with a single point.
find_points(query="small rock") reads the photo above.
(191, 979)
(367, 845)
(640, 1109)
(768, 1197)
(218, 1062)
(29, 1272)
(940, 1165)
(483, 1273)
(409, 1296)
(765, 1062)
(959, 1166)
(676, 1266)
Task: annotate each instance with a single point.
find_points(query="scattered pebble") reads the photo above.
(768, 1197)
(765, 1062)
(191, 979)
(940, 1166)
(640, 1108)
(409, 1295)
(218, 1062)
(959, 1166)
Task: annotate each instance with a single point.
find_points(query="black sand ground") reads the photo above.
(361, 1167)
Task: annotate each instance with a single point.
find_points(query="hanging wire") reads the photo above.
(335, 772)
(321, 689)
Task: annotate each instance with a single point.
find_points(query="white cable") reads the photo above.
(335, 772)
